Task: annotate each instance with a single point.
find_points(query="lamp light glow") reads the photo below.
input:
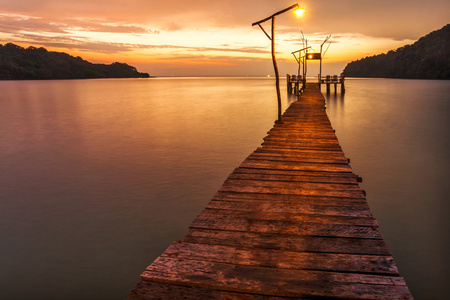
(299, 12)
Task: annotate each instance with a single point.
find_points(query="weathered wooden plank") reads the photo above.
(147, 290)
(299, 153)
(266, 176)
(311, 139)
(298, 136)
(288, 216)
(286, 198)
(294, 208)
(235, 188)
(282, 282)
(250, 276)
(303, 123)
(294, 227)
(298, 159)
(310, 185)
(288, 242)
(292, 172)
(319, 130)
(280, 259)
(305, 144)
(301, 146)
(304, 166)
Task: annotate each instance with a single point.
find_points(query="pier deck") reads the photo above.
(291, 221)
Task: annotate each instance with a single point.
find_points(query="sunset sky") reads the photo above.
(200, 37)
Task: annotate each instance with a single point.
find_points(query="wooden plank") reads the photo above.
(286, 227)
(300, 135)
(235, 188)
(267, 176)
(286, 198)
(306, 142)
(146, 290)
(301, 146)
(292, 172)
(288, 242)
(267, 281)
(294, 208)
(294, 146)
(299, 153)
(287, 216)
(298, 159)
(307, 184)
(280, 259)
(302, 139)
(304, 166)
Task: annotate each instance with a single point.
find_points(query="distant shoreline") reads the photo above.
(18, 63)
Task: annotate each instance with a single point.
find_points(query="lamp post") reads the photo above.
(301, 60)
(298, 11)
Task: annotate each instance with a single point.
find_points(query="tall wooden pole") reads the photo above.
(275, 67)
(320, 70)
(272, 38)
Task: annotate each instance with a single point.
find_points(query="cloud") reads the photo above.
(401, 19)
(225, 48)
(172, 26)
(72, 42)
(92, 26)
(86, 44)
(20, 23)
(16, 23)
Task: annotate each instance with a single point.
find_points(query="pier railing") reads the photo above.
(332, 79)
(296, 83)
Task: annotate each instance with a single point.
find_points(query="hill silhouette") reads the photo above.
(427, 58)
(37, 63)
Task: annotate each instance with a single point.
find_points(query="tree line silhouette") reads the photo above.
(37, 63)
(427, 58)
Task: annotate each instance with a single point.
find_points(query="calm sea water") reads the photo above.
(99, 177)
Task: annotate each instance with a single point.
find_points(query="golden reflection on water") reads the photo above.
(397, 135)
(100, 176)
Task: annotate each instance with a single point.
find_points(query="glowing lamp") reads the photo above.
(314, 56)
(299, 12)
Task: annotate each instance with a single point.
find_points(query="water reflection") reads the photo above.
(98, 177)
(291, 98)
(397, 134)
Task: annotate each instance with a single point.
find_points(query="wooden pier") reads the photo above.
(297, 83)
(290, 222)
(332, 80)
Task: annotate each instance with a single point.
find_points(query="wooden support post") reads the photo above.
(342, 84)
(277, 75)
(288, 81)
